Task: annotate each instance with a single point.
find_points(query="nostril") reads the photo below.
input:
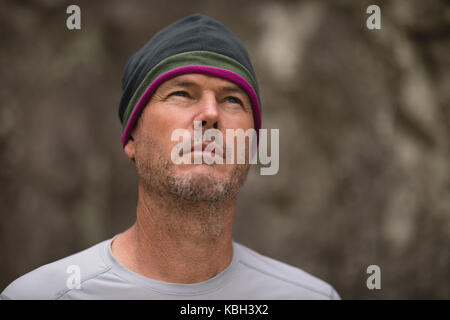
(215, 125)
(203, 123)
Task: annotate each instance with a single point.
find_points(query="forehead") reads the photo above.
(201, 80)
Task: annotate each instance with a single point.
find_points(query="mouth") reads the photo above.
(200, 148)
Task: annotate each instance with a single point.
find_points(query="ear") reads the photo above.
(129, 149)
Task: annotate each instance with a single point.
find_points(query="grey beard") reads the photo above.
(202, 196)
(159, 177)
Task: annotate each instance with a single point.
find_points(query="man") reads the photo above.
(194, 72)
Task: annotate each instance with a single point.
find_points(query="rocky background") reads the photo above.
(364, 119)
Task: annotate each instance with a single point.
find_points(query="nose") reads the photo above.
(208, 112)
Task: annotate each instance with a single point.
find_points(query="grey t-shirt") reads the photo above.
(249, 276)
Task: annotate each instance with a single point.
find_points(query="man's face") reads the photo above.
(176, 104)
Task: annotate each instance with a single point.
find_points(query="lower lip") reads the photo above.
(208, 153)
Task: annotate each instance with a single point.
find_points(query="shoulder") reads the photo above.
(297, 283)
(53, 280)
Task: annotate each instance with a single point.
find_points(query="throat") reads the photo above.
(171, 260)
(177, 244)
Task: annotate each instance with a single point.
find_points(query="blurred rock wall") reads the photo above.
(364, 119)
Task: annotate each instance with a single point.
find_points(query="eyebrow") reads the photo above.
(189, 83)
(232, 89)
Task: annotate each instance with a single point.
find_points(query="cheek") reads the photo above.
(161, 121)
(238, 121)
(242, 121)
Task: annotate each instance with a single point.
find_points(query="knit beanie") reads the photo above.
(194, 44)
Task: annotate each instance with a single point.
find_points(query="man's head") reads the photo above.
(192, 70)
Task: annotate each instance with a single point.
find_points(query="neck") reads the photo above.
(177, 241)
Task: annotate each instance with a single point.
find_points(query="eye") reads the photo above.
(179, 94)
(234, 100)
